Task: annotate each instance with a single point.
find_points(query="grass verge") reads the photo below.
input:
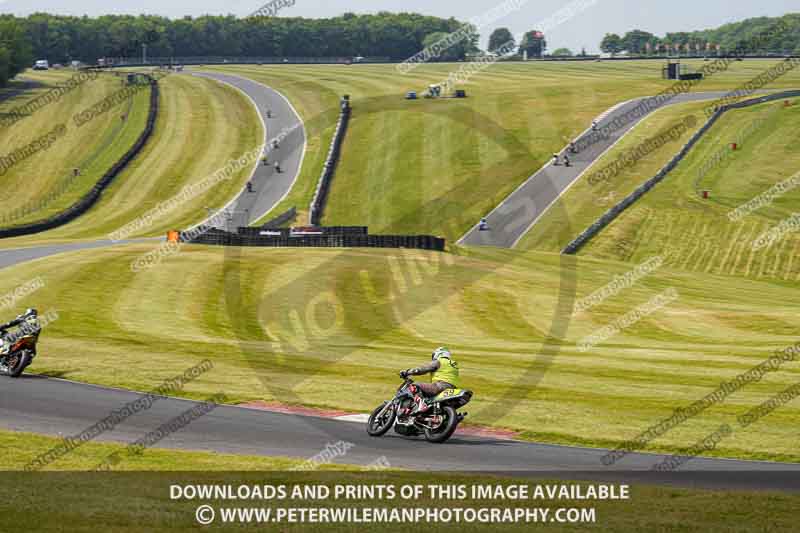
(300, 332)
(438, 166)
(202, 125)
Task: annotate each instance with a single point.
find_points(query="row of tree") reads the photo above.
(61, 39)
(396, 36)
(15, 50)
(751, 36)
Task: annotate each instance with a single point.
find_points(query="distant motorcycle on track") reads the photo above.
(18, 348)
(437, 423)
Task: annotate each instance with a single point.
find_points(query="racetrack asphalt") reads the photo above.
(13, 256)
(520, 211)
(64, 408)
(59, 407)
(282, 122)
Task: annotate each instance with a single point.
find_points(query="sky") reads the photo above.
(584, 29)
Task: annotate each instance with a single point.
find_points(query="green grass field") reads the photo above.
(698, 232)
(90, 455)
(437, 166)
(410, 167)
(301, 331)
(44, 184)
(202, 124)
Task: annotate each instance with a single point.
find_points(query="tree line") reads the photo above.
(62, 39)
(395, 36)
(739, 36)
(15, 50)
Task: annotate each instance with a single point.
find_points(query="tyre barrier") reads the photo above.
(90, 198)
(329, 168)
(333, 239)
(609, 216)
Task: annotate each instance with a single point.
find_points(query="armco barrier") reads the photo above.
(629, 200)
(281, 219)
(123, 62)
(329, 168)
(238, 60)
(90, 198)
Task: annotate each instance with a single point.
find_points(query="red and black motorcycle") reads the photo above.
(437, 424)
(18, 348)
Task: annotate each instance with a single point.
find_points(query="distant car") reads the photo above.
(412, 95)
(42, 64)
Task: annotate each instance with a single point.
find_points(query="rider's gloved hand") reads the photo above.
(404, 374)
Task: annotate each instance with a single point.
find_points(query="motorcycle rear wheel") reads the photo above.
(17, 363)
(377, 428)
(446, 430)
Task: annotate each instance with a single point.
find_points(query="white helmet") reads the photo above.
(441, 352)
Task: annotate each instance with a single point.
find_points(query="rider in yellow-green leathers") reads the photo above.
(445, 375)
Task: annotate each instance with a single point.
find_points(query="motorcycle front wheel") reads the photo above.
(446, 429)
(377, 426)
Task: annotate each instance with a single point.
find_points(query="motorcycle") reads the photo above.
(438, 423)
(18, 349)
